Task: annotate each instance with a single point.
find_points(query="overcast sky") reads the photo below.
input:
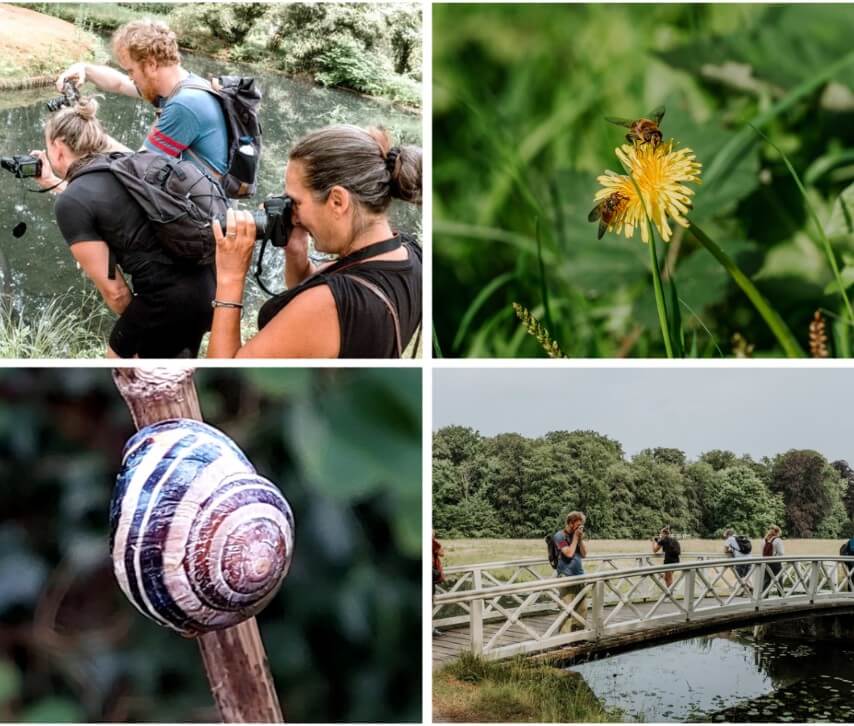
(760, 412)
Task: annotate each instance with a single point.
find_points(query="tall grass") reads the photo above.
(67, 326)
(519, 690)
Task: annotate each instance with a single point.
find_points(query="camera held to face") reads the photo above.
(70, 96)
(23, 166)
(274, 223)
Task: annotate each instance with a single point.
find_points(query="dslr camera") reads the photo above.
(23, 166)
(273, 223)
(70, 96)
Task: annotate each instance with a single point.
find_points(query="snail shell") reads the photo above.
(199, 540)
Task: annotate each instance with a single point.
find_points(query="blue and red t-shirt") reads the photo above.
(192, 119)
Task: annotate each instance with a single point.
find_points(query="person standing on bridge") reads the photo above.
(569, 542)
(772, 546)
(738, 546)
(667, 543)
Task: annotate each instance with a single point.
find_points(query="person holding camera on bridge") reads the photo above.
(340, 181)
(569, 542)
(667, 543)
(169, 309)
(189, 119)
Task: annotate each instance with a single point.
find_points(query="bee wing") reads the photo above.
(656, 114)
(628, 123)
(603, 227)
(595, 213)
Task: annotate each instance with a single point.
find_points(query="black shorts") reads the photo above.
(167, 323)
(671, 560)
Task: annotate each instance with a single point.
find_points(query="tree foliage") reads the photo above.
(512, 486)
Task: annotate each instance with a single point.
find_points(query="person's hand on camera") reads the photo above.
(234, 247)
(76, 73)
(47, 178)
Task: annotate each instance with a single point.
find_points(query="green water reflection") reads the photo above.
(728, 677)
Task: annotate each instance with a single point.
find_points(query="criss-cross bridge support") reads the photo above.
(501, 609)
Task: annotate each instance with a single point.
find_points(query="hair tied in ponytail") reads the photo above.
(391, 159)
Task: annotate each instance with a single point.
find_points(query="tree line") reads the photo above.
(511, 486)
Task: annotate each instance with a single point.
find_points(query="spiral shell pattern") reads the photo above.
(199, 540)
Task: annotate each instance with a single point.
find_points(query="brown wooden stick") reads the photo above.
(235, 660)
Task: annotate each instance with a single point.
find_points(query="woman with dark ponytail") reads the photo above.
(367, 303)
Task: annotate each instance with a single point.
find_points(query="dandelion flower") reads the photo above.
(659, 173)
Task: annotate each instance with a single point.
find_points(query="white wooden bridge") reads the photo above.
(500, 609)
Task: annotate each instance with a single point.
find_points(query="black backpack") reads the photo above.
(673, 548)
(239, 98)
(553, 551)
(178, 198)
(744, 544)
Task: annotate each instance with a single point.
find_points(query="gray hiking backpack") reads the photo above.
(178, 198)
(239, 98)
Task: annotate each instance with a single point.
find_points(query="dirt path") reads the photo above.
(33, 44)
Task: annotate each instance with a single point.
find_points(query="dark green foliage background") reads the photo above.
(520, 95)
(510, 486)
(343, 635)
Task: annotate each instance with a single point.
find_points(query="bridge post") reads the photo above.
(476, 614)
(598, 609)
(758, 583)
(689, 594)
(814, 570)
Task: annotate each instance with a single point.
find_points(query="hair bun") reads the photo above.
(391, 159)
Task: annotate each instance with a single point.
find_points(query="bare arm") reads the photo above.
(104, 77)
(94, 257)
(656, 548)
(582, 548)
(297, 265)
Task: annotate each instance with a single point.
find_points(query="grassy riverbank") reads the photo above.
(474, 690)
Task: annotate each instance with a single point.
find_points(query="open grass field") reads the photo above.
(472, 551)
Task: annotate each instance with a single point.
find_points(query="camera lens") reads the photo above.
(260, 217)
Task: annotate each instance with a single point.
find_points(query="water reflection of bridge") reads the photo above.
(500, 609)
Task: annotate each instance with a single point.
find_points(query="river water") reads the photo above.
(38, 266)
(728, 677)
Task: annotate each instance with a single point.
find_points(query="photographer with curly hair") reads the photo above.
(367, 303)
(189, 120)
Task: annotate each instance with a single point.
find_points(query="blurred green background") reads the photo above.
(519, 100)
(343, 635)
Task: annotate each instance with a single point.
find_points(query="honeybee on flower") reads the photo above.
(659, 172)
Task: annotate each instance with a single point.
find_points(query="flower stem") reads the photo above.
(656, 275)
(659, 294)
(769, 315)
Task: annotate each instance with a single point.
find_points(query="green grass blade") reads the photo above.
(731, 152)
(676, 320)
(476, 304)
(544, 288)
(769, 315)
(437, 349)
(828, 250)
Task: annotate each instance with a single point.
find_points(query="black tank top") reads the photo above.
(367, 326)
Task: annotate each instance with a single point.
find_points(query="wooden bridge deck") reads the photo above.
(454, 641)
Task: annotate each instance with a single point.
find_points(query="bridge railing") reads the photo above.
(545, 613)
(462, 578)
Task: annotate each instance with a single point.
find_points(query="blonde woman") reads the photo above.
(164, 306)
